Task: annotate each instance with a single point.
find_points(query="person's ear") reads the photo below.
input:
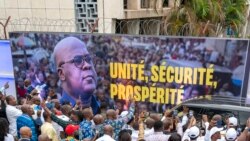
(61, 74)
(30, 134)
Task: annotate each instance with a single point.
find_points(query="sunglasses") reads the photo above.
(78, 60)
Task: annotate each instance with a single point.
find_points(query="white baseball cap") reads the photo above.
(231, 134)
(214, 130)
(233, 121)
(194, 132)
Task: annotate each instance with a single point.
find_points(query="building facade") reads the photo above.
(38, 15)
(49, 15)
(86, 15)
(132, 16)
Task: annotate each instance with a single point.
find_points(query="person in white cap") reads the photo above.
(231, 135)
(215, 134)
(216, 121)
(191, 134)
(232, 122)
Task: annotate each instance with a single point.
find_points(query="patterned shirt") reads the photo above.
(25, 120)
(99, 129)
(86, 130)
(120, 122)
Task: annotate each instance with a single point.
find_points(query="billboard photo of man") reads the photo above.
(76, 72)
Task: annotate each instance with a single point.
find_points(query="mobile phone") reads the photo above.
(239, 130)
(191, 113)
(175, 113)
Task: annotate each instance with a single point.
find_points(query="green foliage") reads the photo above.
(206, 17)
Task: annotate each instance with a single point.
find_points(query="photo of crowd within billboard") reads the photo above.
(50, 63)
(7, 81)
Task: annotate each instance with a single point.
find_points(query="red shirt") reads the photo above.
(21, 91)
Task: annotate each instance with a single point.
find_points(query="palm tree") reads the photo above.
(205, 17)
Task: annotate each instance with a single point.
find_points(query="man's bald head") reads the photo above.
(87, 113)
(75, 69)
(98, 119)
(43, 137)
(111, 114)
(155, 116)
(108, 129)
(66, 45)
(25, 108)
(167, 124)
(150, 123)
(25, 132)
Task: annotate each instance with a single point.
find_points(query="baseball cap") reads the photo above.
(231, 134)
(233, 121)
(214, 130)
(194, 132)
(70, 129)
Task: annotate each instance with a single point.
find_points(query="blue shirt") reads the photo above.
(67, 98)
(86, 130)
(25, 120)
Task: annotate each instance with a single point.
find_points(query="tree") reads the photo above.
(206, 17)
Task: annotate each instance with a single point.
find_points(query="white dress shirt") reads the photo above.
(12, 113)
(105, 137)
(9, 137)
(157, 136)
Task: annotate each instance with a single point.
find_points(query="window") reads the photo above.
(165, 3)
(125, 4)
(145, 3)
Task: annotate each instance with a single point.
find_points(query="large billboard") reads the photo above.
(105, 70)
(6, 69)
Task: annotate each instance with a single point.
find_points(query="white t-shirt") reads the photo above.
(105, 138)
(9, 137)
(58, 129)
(12, 113)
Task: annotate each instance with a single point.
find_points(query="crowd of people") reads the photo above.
(47, 120)
(63, 92)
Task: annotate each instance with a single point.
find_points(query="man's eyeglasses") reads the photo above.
(78, 60)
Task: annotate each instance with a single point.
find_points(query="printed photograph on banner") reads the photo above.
(105, 71)
(7, 81)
